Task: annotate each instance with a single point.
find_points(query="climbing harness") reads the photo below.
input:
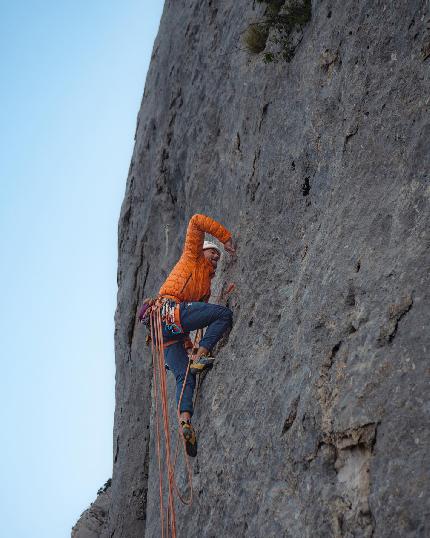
(170, 315)
(169, 309)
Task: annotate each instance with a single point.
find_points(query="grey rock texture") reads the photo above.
(94, 519)
(314, 420)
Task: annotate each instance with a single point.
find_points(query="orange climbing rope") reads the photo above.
(167, 514)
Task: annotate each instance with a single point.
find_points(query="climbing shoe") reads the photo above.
(204, 363)
(190, 438)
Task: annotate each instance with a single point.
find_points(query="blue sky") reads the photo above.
(71, 80)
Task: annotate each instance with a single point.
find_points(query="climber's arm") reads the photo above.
(197, 227)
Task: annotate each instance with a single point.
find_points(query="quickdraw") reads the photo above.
(169, 313)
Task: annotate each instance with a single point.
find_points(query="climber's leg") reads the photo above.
(198, 315)
(176, 359)
(190, 438)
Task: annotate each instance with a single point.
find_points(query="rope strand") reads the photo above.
(167, 513)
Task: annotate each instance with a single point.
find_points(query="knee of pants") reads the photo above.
(228, 315)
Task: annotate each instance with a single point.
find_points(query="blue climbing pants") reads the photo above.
(195, 316)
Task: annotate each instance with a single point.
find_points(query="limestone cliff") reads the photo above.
(314, 420)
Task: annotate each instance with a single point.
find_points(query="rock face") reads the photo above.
(93, 521)
(314, 420)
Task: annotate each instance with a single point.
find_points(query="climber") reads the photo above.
(185, 295)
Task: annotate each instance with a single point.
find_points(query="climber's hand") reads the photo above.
(228, 246)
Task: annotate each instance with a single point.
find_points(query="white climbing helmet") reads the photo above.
(208, 244)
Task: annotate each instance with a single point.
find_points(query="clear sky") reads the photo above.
(71, 80)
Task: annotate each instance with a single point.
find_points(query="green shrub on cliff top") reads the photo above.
(255, 38)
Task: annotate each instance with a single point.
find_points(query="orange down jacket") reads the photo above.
(190, 279)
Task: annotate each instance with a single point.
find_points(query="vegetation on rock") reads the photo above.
(278, 29)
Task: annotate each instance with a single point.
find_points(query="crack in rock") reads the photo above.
(289, 421)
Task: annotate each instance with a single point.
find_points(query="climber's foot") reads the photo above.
(202, 351)
(199, 366)
(190, 438)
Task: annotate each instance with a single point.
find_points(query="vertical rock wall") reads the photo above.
(314, 421)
